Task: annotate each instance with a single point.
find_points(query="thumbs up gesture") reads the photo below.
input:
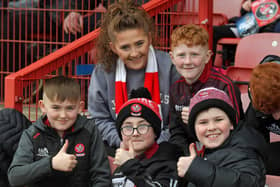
(63, 161)
(184, 163)
(124, 153)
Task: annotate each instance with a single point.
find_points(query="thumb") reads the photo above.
(130, 147)
(122, 146)
(64, 147)
(192, 150)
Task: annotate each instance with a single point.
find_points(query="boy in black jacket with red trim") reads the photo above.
(62, 148)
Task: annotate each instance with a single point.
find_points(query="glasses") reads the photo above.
(141, 129)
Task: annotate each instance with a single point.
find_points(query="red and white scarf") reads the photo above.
(151, 81)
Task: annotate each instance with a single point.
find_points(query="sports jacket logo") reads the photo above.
(43, 152)
(80, 149)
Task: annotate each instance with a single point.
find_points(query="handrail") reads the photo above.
(13, 82)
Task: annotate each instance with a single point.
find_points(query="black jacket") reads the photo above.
(12, 124)
(181, 93)
(262, 122)
(31, 165)
(238, 162)
(159, 170)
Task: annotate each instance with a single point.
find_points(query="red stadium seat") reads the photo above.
(250, 51)
(230, 8)
(272, 181)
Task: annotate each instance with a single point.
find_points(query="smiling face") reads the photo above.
(132, 47)
(212, 127)
(140, 142)
(61, 115)
(190, 61)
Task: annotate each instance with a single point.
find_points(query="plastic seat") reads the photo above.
(250, 51)
(272, 181)
(230, 8)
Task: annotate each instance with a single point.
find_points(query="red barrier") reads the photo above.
(20, 87)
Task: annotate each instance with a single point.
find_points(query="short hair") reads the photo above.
(189, 34)
(265, 86)
(62, 88)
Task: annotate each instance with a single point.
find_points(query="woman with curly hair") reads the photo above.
(127, 60)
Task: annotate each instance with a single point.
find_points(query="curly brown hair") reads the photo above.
(265, 86)
(190, 35)
(119, 17)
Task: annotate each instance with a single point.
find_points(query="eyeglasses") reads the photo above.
(129, 130)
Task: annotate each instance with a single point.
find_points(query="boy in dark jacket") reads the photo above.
(62, 148)
(264, 111)
(231, 154)
(190, 54)
(142, 162)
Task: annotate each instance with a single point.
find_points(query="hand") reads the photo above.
(123, 154)
(185, 114)
(247, 5)
(184, 163)
(73, 23)
(63, 161)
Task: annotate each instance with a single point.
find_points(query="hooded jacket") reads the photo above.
(151, 169)
(12, 124)
(238, 162)
(32, 166)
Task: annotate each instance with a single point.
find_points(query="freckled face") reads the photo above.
(132, 47)
(190, 61)
(212, 127)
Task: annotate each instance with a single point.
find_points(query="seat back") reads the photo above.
(252, 49)
(229, 8)
(272, 181)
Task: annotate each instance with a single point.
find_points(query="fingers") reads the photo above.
(73, 163)
(180, 167)
(185, 114)
(73, 23)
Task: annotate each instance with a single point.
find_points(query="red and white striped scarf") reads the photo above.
(151, 81)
